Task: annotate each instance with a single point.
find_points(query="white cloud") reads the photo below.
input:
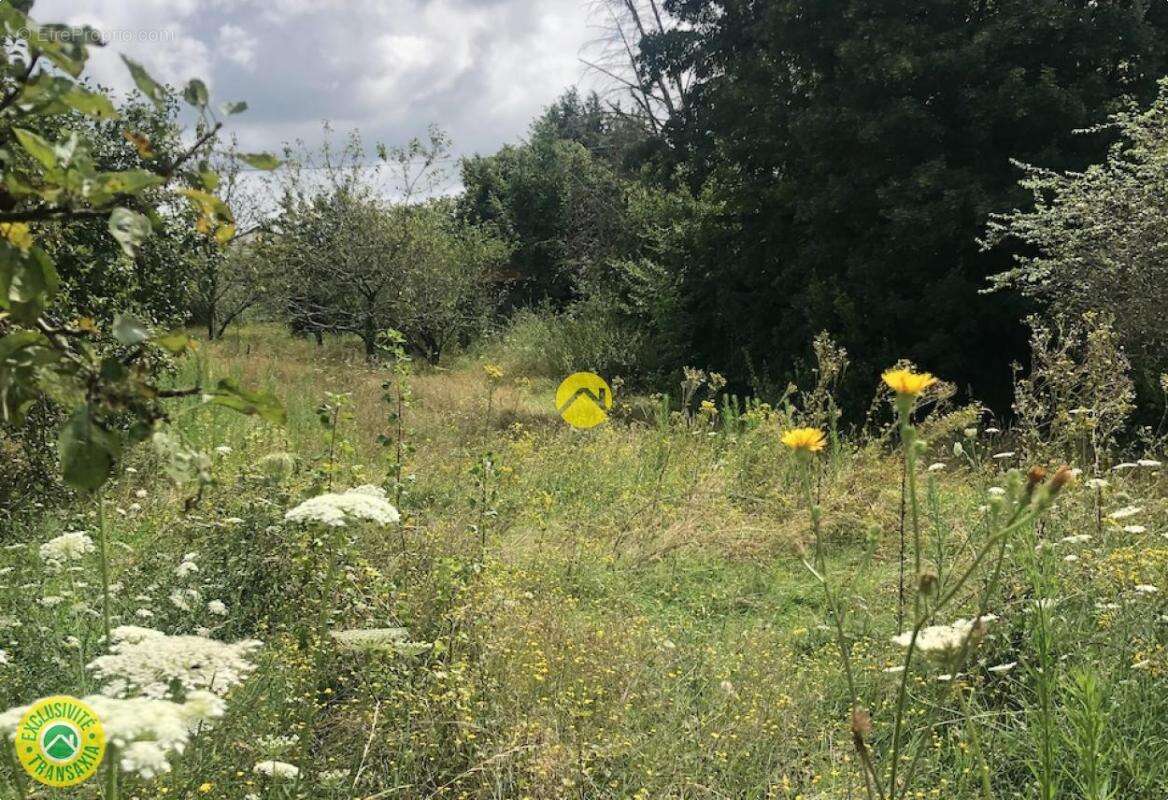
(482, 69)
(237, 45)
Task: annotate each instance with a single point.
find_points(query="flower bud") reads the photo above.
(928, 582)
(1034, 477)
(861, 723)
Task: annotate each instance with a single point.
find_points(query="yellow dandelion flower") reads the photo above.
(206, 787)
(810, 440)
(907, 382)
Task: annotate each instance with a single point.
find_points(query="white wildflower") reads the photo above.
(277, 745)
(1125, 512)
(1096, 483)
(152, 662)
(333, 778)
(1150, 463)
(1146, 588)
(9, 720)
(223, 450)
(937, 467)
(1001, 669)
(182, 599)
(337, 510)
(4, 657)
(145, 759)
(1005, 455)
(51, 600)
(997, 491)
(1070, 559)
(67, 547)
(140, 494)
(186, 568)
(1135, 529)
(894, 670)
(1124, 466)
(993, 430)
(942, 638)
(276, 769)
(1079, 538)
(217, 608)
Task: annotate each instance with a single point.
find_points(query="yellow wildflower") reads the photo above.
(493, 372)
(206, 787)
(810, 440)
(908, 383)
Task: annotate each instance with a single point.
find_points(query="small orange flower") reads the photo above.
(810, 440)
(905, 382)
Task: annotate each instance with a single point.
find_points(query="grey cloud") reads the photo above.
(481, 69)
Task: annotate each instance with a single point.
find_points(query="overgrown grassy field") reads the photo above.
(626, 612)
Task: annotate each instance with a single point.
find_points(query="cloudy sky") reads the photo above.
(481, 69)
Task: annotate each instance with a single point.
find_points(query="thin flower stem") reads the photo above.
(111, 774)
(103, 551)
(837, 614)
(998, 539)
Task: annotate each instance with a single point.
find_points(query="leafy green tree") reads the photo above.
(1097, 241)
(856, 149)
(356, 262)
(54, 185)
(563, 208)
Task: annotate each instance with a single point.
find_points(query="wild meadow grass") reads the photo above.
(673, 605)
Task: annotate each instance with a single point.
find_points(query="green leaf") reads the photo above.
(149, 87)
(65, 46)
(54, 94)
(264, 161)
(27, 281)
(130, 181)
(88, 451)
(21, 354)
(130, 330)
(196, 94)
(174, 342)
(129, 228)
(37, 147)
(230, 394)
(236, 107)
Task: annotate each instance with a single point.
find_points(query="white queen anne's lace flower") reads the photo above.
(147, 731)
(151, 661)
(276, 769)
(942, 639)
(67, 547)
(365, 503)
(1125, 512)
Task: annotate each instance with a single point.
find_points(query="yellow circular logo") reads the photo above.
(60, 741)
(583, 400)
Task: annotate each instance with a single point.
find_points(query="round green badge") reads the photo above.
(60, 741)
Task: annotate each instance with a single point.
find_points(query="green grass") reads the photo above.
(635, 623)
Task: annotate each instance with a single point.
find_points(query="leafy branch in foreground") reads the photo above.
(101, 377)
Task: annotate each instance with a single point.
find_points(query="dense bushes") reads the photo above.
(1097, 241)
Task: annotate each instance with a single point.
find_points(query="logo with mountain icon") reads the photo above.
(584, 400)
(60, 741)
